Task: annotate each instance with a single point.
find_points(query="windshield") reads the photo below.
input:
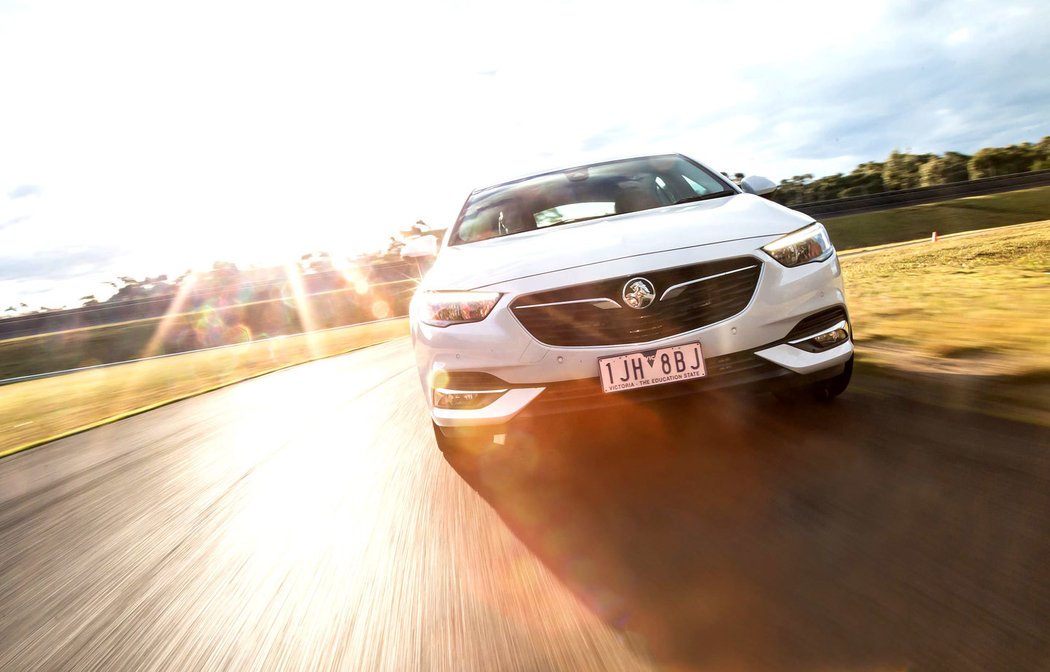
(587, 192)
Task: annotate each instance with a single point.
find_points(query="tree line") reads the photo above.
(903, 170)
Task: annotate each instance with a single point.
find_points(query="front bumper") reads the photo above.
(776, 367)
(750, 348)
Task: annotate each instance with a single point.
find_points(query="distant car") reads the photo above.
(637, 279)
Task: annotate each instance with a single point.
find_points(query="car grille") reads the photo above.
(573, 316)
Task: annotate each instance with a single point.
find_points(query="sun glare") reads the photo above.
(176, 308)
(302, 306)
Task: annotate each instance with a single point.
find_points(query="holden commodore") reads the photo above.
(633, 280)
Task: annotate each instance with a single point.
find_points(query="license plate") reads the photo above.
(653, 367)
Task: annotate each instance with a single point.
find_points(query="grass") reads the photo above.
(973, 311)
(38, 410)
(919, 221)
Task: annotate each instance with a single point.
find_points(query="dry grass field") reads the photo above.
(975, 308)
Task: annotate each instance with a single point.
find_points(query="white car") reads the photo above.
(607, 284)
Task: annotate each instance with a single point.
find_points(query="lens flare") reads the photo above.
(175, 309)
(302, 306)
(380, 309)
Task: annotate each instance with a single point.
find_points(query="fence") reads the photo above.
(854, 205)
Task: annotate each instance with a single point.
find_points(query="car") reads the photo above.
(602, 285)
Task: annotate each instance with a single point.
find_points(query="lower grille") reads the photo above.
(585, 315)
(735, 369)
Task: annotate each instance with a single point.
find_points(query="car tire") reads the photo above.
(826, 390)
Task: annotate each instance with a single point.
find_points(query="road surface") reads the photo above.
(305, 520)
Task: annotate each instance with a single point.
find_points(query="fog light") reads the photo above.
(462, 400)
(830, 338)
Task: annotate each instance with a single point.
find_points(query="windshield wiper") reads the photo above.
(703, 197)
(576, 219)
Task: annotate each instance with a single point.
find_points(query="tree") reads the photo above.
(793, 190)
(944, 170)
(1043, 151)
(864, 180)
(992, 161)
(901, 170)
(224, 267)
(826, 188)
(316, 262)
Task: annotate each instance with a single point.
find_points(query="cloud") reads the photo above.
(23, 191)
(58, 264)
(18, 219)
(911, 92)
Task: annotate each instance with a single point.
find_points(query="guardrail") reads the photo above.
(52, 374)
(855, 205)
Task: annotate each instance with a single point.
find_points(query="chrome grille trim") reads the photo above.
(603, 303)
(675, 290)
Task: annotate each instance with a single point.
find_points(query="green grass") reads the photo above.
(919, 221)
(38, 410)
(972, 312)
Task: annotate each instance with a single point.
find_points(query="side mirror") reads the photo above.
(423, 246)
(758, 185)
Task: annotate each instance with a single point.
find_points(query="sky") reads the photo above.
(139, 137)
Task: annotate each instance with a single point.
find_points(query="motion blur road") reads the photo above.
(305, 520)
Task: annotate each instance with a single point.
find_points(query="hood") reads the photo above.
(496, 260)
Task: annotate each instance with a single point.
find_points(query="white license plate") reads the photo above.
(654, 367)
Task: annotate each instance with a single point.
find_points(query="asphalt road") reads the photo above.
(305, 520)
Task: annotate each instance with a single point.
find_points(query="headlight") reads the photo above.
(802, 246)
(441, 309)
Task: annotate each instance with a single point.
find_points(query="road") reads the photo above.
(305, 520)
